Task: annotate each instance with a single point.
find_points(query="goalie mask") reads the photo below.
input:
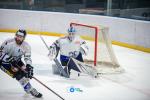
(20, 36)
(71, 32)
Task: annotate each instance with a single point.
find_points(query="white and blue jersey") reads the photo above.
(69, 48)
(10, 48)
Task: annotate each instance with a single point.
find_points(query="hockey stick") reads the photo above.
(61, 70)
(42, 83)
(48, 88)
(54, 61)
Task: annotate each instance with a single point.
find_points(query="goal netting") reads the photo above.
(101, 54)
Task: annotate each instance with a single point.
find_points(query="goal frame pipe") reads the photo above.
(96, 39)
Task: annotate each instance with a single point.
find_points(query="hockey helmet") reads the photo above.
(21, 32)
(71, 30)
(20, 36)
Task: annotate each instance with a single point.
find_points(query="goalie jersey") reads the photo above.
(72, 48)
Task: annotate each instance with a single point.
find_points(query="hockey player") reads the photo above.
(70, 47)
(11, 53)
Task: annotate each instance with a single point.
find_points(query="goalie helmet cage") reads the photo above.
(101, 54)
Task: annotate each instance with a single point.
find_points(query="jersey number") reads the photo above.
(73, 54)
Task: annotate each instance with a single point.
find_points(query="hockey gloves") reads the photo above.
(13, 62)
(16, 62)
(29, 71)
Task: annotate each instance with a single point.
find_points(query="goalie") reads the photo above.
(11, 52)
(71, 48)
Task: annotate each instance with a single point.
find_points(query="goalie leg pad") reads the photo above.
(72, 65)
(60, 68)
(79, 57)
(55, 69)
(84, 68)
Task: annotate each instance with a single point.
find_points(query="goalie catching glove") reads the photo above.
(84, 48)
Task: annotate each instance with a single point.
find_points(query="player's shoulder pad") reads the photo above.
(9, 40)
(26, 45)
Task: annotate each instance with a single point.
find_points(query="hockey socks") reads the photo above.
(28, 88)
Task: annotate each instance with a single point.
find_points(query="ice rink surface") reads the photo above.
(133, 84)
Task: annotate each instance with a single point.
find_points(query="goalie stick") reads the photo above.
(55, 61)
(44, 42)
(61, 70)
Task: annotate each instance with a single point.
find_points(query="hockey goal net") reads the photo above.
(101, 54)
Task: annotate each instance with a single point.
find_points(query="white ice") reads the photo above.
(134, 84)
